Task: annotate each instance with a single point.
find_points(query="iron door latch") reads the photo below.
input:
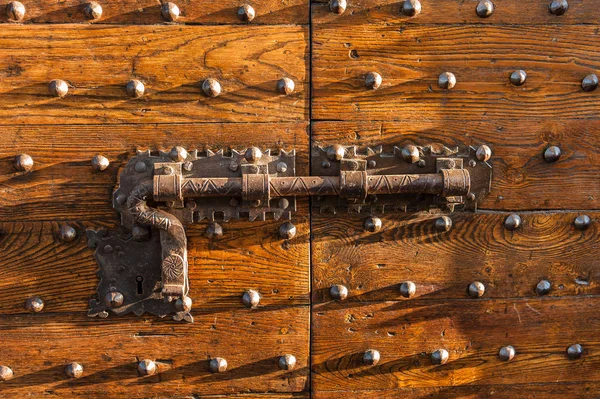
(144, 267)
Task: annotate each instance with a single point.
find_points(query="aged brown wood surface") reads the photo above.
(410, 59)
(172, 61)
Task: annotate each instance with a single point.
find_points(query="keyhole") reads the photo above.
(140, 288)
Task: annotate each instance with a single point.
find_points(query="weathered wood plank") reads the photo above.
(521, 179)
(411, 58)
(97, 62)
(405, 333)
(142, 12)
(62, 185)
(37, 348)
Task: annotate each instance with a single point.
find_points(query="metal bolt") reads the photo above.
(338, 292)
(472, 163)
(373, 224)
(543, 287)
(440, 356)
(371, 163)
(336, 152)
(246, 13)
(251, 298)
(214, 231)
(170, 12)
(443, 223)
(285, 86)
(447, 80)
(485, 8)
(283, 203)
(552, 154)
(74, 370)
(183, 304)
(58, 88)
(411, 7)
(135, 88)
(582, 222)
(23, 162)
(476, 289)
(337, 6)
(141, 167)
(218, 365)
(589, 83)
(507, 353)
(371, 357)
(287, 362)
(373, 80)
(282, 167)
(188, 166)
(558, 7)
(114, 299)
(93, 10)
(410, 154)
(34, 304)
(253, 155)
(100, 163)
(15, 11)
(483, 153)
(512, 222)
(575, 351)
(287, 231)
(518, 77)
(147, 367)
(6, 373)
(408, 289)
(211, 87)
(178, 154)
(67, 233)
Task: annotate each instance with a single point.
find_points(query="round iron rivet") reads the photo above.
(23, 163)
(589, 83)
(373, 224)
(411, 154)
(211, 87)
(178, 154)
(476, 289)
(518, 77)
(447, 80)
(512, 222)
(108, 249)
(507, 353)
(183, 304)
(287, 231)
(408, 289)
(246, 13)
(326, 164)
(443, 223)
(67, 233)
(167, 170)
(471, 196)
(6, 373)
(188, 166)
(336, 152)
(411, 8)
(140, 233)
(251, 299)
(141, 167)
(281, 167)
(114, 299)
(92, 11)
(100, 163)
(483, 153)
(135, 88)
(373, 80)
(485, 8)
(575, 351)
(147, 367)
(582, 222)
(34, 304)
(287, 362)
(440, 356)
(371, 357)
(58, 88)
(285, 86)
(284, 203)
(338, 292)
(233, 166)
(253, 155)
(170, 12)
(558, 7)
(15, 11)
(74, 370)
(337, 6)
(543, 287)
(214, 231)
(552, 154)
(371, 164)
(218, 365)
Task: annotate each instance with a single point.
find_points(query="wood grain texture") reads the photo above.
(97, 62)
(410, 59)
(507, 12)
(521, 179)
(109, 351)
(405, 333)
(144, 12)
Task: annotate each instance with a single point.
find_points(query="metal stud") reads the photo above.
(338, 292)
(373, 80)
(140, 167)
(114, 299)
(337, 6)
(169, 12)
(287, 362)
(214, 230)
(575, 351)
(34, 304)
(287, 230)
(408, 289)
(67, 233)
(92, 11)
(183, 304)
(281, 167)
(411, 8)
(15, 11)
(285, 86)
(373, 224)
(518, 77)
(589, 83)
(23, 163)
(6, 373)
(558, 7)
(140, 233)
(440, 356)
(58, 88)
(246, 13)
(552, 154)
(410, 154)
(74, 370)
(147, 367)
(336, 152)
(507, 353)
(512, 222)
(371, 357)
(211, 87)
(135, 88)
(218, 365)
(447, 80)
(443, 223)
(483, 153)
(485, 8)
(178, 154)
(100, 163)
(253, 154)
(476, 289)
(251, 298)
(543, 287)
(582, 222)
